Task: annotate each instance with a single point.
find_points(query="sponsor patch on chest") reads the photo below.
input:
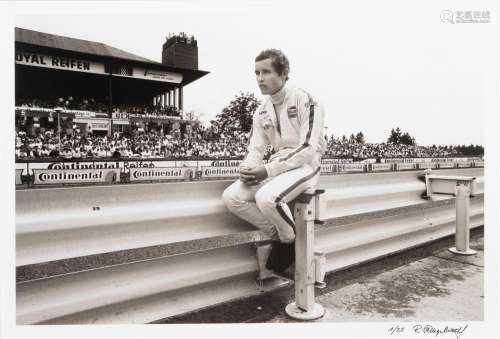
(292, 111)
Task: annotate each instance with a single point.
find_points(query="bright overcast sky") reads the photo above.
(374, 65)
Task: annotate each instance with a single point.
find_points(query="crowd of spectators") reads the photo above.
(70, 103)
(151, 110)
(349, 148)
(119, 145)
(90, 104)
(200, 142)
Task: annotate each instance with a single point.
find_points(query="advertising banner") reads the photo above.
(426, 165)
(337, 161)
(327, 168)
(219, 172)
(381, 167)
(464, 164)
(446, 164)
(57, 62)
(479, 163)
(80, 176)
(123, 165)
(157, 75)
(162, 173)
(18, 176)
(405, 166)
(352, 167)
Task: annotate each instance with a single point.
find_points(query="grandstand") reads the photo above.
(73, 86)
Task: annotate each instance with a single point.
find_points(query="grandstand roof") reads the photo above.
(35, 39)
(76, 45)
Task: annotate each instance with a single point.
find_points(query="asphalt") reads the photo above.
(426, 283)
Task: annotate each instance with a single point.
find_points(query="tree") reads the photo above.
(406, 139)
(395, 137)
(238, 114)
(360, 138)
(352, 138)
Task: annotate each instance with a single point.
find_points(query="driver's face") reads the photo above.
(268, 80)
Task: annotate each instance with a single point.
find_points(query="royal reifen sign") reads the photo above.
(57, 62)
(50, 177)
(162, 173)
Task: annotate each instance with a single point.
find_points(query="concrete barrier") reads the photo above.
(140, 253)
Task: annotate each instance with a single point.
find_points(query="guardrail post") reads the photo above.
(309, 266)
(462, 234)
(462, 187)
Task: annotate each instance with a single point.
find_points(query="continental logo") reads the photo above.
(226, 163)
(100, 165)
(157, 173)
(71, 176)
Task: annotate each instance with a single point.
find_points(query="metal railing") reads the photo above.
(139, 253)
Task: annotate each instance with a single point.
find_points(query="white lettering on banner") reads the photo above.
(47, 177)
(423, 165)
(18, 176)
(163, 173)
(124, 166)
(100, 126)
(446, 164)
(217, 172)
(464, 164)
(119, 115)
(42, 60)
(336, 161)
(327, 168)
(226, 163)
(157, 75)
(381, 167)
(353, 167)
(405, 166)
(418, 160)
(81, 114)
(479, 163)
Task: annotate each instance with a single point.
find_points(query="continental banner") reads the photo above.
(18, 177)
(219, 172)
(50, 177)
(123, 165)
(162, 173)
(220, 163)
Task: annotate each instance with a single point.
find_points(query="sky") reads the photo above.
(374, 66)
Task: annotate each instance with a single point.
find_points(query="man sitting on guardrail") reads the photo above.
(292, 122)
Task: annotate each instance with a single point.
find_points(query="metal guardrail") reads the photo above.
(370, 215)
(87, 172)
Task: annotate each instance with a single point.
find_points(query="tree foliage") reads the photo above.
(238, 114)
(397, 137)
(360, 138)
(471, 150)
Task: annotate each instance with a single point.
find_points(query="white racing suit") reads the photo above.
(298, 142)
